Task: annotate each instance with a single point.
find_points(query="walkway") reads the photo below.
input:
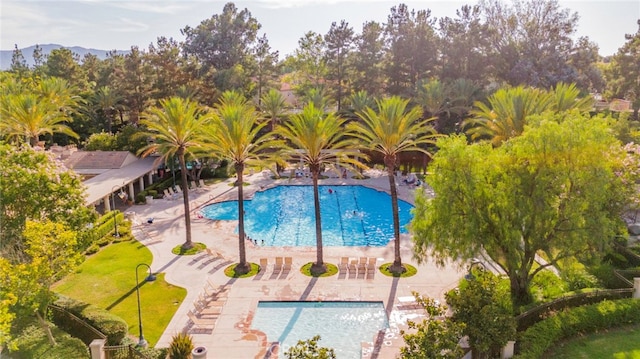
(231, 337)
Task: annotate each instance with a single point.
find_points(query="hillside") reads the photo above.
(27, 52)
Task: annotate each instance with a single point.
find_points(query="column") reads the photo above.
(131, 192)
(107, 203)
(97, 348)
(150, 178)
(141, 183)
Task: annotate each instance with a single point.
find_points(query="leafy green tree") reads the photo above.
(134, 80)
(539, 192)
(319, 140)
(412, 51)
(176, 127)
(338, 42)
(224, 43)
(390, 130)
(266, 63)
(52, 254)
(310, 63)
(64, 64)
(235, 135)
(102, 141)
(436, 337)
(367, 59)
(309, 349)
(18, 63)
(169, 67)
(464, 46)
(531, 42)
(623, 73)
(35, 186)
(482, 303)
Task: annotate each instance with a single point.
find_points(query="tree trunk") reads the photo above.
(46, 328)
(397, 267)
(33, 141)
(318, 267)
(185, 196)
(520, 294)
(242, 266)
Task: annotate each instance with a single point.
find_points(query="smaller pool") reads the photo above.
(342, 326)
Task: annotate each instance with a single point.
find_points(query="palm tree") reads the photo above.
(233, 134)
(176, 127)
(320, 140)
(273, 106)
(109, 101)
(506, 113)
(28, 115)
(391, 130)
(566, 97)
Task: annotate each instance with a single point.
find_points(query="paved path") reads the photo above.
(232, 338)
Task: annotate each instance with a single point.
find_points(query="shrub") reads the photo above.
(536, 340)
(93, 249)
(152, 192)
(114, 327)
(546, 285)
(32, 342)
(577, 278)
(104, 241)
(140, 198)
(181, 346)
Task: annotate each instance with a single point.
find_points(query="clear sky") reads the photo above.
(120, 24)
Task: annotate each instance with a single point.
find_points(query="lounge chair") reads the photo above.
(264, 262)
(277, 267)
(342, 268)
(202, 185)
(193, 186)
(178, 189)
(201, 323)
(288, 263)
(208, 309)
(353, 268)
(167, 195)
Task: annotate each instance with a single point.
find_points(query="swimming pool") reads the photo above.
(342, 326)
(284, 216)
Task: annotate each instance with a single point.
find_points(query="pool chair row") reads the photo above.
(170, 194)
(361, 268)
(208, 307)
(199, 187)
(282, 265)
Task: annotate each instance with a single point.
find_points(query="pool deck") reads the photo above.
(231, 337)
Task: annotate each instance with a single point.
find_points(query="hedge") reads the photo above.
(536, 340)
(114, 327)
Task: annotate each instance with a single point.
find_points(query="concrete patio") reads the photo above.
(232, 337)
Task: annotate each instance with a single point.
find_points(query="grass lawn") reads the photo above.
(108, 280)
(621, 343)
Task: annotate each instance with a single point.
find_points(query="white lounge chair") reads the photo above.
(202, 185)
(264, 262)
(201, 323)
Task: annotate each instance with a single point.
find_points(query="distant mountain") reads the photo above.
(27, 52)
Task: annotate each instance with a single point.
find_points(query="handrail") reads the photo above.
(98, 334)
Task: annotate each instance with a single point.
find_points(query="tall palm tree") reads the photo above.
(320, 140)
(28, 115)
(176, 128)
(234, 134)
(273, 107)
(391, 130)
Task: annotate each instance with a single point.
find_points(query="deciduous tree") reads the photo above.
(541, 192)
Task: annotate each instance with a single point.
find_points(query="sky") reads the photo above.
(120, 24)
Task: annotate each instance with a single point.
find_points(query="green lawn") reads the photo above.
(108, 280)
(616, 344)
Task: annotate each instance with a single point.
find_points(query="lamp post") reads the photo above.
(115, 220)
(474, 262)
(150, 278)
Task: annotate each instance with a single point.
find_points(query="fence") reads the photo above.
(122, 352)
(70, 323)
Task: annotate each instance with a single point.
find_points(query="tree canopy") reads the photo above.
(554, 190)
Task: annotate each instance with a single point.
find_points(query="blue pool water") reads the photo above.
(284, 216)
(341, 325)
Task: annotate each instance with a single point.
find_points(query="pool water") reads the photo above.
(342, 326)
(284, 216)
